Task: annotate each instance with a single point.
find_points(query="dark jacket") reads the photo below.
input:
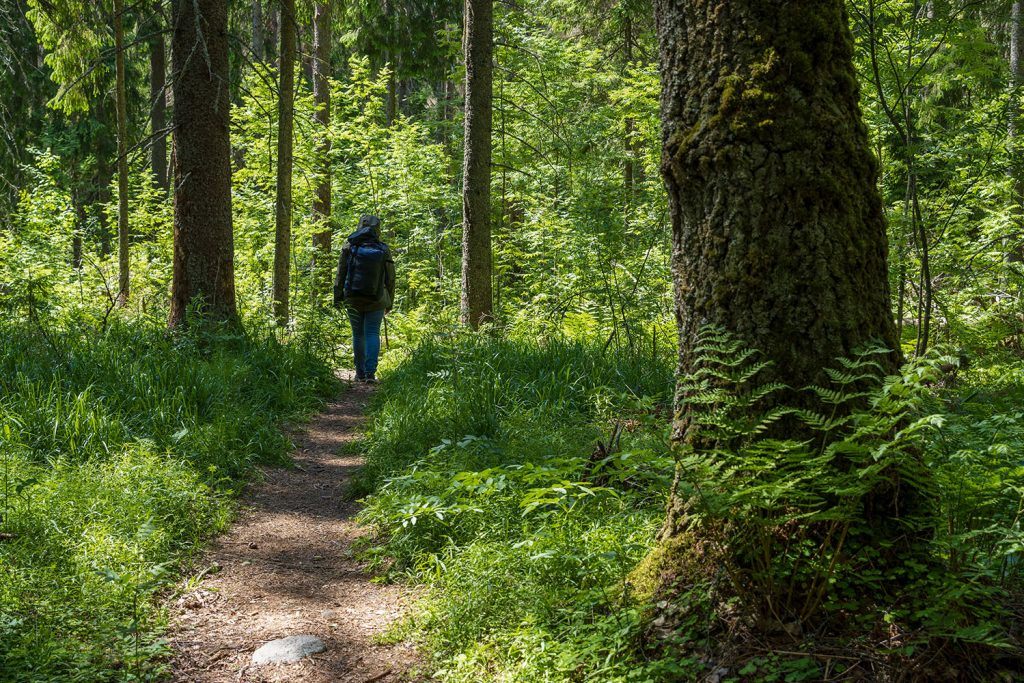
(368, 231)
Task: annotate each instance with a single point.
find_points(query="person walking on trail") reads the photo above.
(365, 285)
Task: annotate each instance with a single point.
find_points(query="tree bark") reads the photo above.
(158, 112)
(283, 215)
(779, 235)
(257, 30)
(777, 223)
(122, 156)
(203, 242)
(476, 176)
(322, 98)
(1014, 120)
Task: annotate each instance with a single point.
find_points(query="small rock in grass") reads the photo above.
(288, 650)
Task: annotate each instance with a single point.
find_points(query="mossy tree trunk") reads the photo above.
(203, 242)
(476, 177)
(778, 230)
(779, 235)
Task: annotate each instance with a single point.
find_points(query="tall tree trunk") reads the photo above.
(628, 180)
(779, 238)
(1014, 117)
(322, 98)
(204, 272)
(257, 30)
(778, 230)
(283, 223)
(158, 104)
(122, 156)
(476, 169)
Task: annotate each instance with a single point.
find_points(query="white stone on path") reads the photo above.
(288, 650)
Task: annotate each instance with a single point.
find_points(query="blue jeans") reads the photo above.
(365, 339)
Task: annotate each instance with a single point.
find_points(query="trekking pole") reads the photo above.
(387, 344)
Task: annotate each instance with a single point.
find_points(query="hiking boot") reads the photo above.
(371, 379)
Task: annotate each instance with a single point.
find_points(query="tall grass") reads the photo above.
(119, 453)
(489, 486)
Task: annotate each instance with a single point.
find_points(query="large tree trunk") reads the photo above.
(283, 214)
(322, 97)
(476, 175)
(158, 104)
(204, 272)
(778, 229)
(122, 156)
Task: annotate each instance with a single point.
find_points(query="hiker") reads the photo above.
(365, 283)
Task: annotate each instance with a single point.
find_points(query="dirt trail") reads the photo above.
(286, 568)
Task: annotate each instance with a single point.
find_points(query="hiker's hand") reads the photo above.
(387, 310)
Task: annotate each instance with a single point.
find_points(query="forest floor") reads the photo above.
(287, 567)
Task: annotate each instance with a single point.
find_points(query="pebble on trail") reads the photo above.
(288, 650)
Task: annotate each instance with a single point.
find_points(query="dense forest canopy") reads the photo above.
(767, 256)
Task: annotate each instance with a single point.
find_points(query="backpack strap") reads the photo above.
(352, 249)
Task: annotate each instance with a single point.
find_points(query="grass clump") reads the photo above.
(119, 453)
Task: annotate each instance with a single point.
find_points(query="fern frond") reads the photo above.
(847, 378)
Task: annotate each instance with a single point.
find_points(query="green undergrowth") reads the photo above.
(498, 480)
(119, 453)
(495, 479)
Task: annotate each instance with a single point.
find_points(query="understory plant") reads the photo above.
(120, 452)
(525, 485)
(843, 519)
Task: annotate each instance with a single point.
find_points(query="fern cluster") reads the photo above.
(819, 502)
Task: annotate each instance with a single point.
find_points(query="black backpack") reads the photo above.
(365, 273)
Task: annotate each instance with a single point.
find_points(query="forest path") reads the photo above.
(286, 568)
